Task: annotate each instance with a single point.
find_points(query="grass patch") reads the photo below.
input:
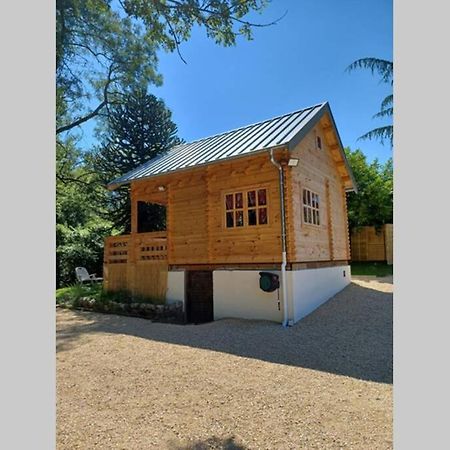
(93, 298)
(71, 295)
(378, 269)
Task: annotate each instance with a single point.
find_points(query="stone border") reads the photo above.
(172, 313)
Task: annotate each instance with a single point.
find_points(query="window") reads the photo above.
(150, 217)
(311, 212)
(319, 143)
(246, 208)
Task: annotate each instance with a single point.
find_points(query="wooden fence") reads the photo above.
(137, 263)
(370, 244)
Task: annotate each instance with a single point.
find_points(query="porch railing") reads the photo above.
(137, 263)
(136, 247)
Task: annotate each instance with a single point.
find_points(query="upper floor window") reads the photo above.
(246, 208)
(319, 142)
(311, 207)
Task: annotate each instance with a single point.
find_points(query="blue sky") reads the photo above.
(296, 63)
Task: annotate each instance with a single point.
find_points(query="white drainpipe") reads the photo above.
(283, 240)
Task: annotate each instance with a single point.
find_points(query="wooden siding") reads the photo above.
(137, 263)
(188, 242)
(319, 171)
(196, 229)
(247, 244)
(372, 244)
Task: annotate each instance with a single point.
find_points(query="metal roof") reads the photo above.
(286, 130)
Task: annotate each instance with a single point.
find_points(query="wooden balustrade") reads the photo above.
(137, 263)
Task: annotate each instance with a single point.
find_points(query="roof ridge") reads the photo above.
(250, 125)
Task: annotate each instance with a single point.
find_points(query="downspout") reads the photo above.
(283, 239)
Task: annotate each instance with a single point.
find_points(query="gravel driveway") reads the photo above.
(326, 383)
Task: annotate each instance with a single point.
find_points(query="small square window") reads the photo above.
(262, 216)
(229, 201)
(239, 200)
(239, 218)
(251, 196)
(230, 221)
(262, 197)
(252, 216)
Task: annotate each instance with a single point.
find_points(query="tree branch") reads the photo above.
(93, 113)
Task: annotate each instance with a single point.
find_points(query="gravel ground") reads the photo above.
(326, 383)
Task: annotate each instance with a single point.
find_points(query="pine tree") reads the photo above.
(385, 69)
(137, 130)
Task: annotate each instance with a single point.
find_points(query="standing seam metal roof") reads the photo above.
(271, 133)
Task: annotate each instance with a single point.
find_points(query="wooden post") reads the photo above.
(330, 220)
(346, 223)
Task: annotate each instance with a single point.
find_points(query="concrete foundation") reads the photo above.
(237, 293)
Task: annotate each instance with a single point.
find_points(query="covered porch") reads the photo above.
(137, 262)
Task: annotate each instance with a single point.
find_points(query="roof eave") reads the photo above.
(325, 108)
(114, 185)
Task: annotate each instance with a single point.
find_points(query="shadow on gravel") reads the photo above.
(349, 335)
(211, 443)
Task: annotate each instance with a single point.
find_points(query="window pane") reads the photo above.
(229, 201)
(317, 201)
(314, 200)
(309, 216)
(318, 218)
(230, 222)
(239, 218)
(252, 216)
(239, 200)
(262, 216)
(251, 197)
(304, 196)
(305, 214)
(314, 215)
(262, 200)
(308, 197)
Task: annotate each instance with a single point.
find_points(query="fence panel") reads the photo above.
(370, 244)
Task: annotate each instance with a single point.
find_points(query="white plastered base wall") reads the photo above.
(237, 293)
(175, 286)
(310, 288)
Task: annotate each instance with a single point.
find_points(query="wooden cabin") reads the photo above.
(256, 222)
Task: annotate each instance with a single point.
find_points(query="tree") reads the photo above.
(80, 227)
(103, 47)
(137, 130)
(373, 204)
(385, 70)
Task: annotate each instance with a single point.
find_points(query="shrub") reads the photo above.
(77, 291)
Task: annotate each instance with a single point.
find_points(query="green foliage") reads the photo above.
(76, 291)
(373, 204)
(385, 69)
(137, 130)
(125, 296)
(378, 269)
(106, 52)
(103, 47)
(75, 294)
(80, 230)
(80, 246)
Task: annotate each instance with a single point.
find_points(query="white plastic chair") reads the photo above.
(83, 275)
